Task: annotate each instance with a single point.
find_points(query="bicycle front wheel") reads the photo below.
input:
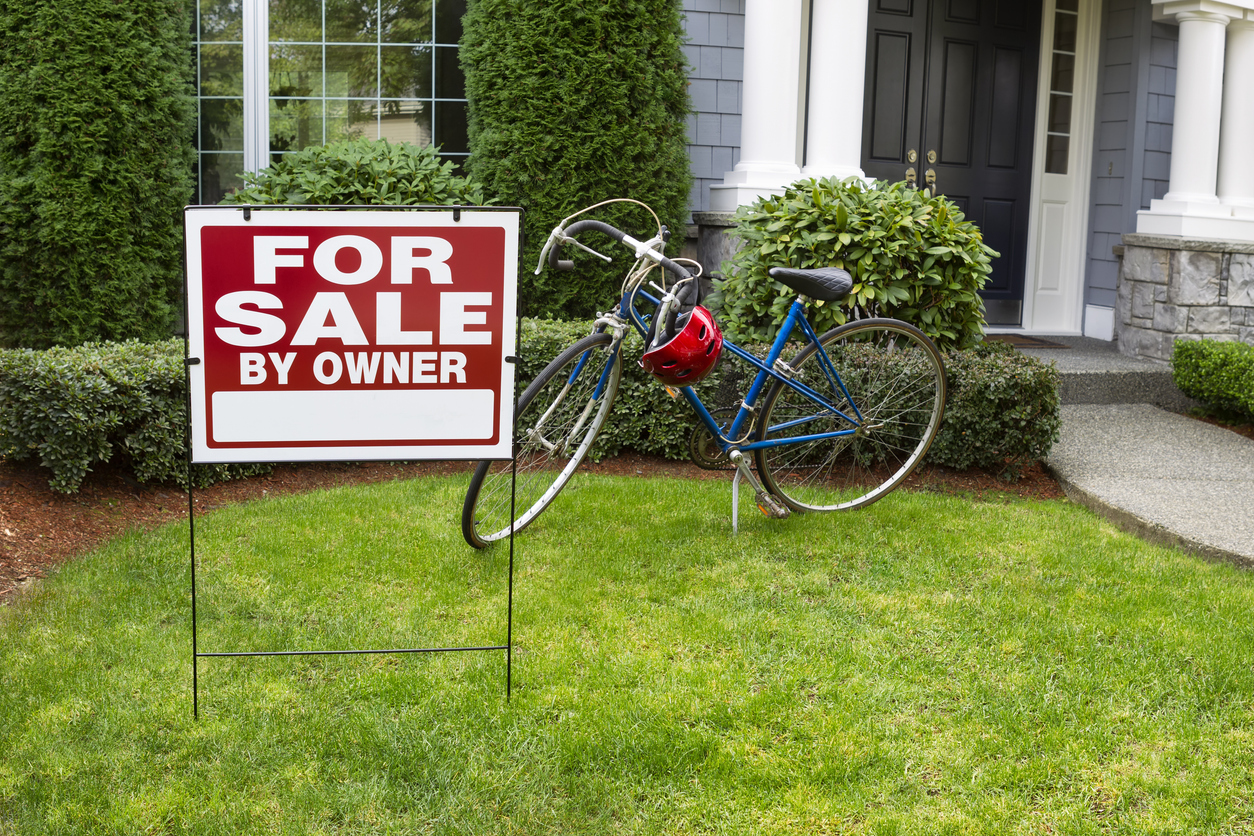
(891, 391)
(559, 416)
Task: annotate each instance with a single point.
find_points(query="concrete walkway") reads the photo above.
(1167, 477)
(1154, 472)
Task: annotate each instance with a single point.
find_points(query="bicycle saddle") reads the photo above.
(826, 284)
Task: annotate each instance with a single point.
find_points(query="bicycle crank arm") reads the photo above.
(767, 503)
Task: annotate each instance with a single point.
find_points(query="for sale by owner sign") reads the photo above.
(350, 335)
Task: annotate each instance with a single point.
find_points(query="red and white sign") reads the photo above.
(339, 335)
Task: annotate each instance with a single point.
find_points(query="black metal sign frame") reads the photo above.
(189, 361)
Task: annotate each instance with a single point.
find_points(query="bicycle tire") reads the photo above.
(559, 417)
(896, 379)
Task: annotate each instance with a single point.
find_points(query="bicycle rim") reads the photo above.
(895, 381)
(559, 417)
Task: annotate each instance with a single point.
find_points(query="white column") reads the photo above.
(837, 65)
(769, 118)
(256, 22)
(1236, 137)
(1199, 103)
(1191, 208)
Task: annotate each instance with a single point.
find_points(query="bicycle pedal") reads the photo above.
(771, 506)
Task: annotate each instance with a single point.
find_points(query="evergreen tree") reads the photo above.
(96, 116)
(573, 102)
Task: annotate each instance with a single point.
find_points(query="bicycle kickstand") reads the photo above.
(767, 503)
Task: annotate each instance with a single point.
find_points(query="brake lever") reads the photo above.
(548, 245)
(588, 249)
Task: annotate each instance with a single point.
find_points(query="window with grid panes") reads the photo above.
(333, 69)
(1061, 81)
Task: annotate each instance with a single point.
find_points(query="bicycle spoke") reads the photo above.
(559, 417)
(895, 379)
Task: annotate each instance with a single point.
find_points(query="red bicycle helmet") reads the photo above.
(689, 356)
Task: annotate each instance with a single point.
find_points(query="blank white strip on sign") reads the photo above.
(267, 417)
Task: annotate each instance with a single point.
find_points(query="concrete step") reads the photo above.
(1094, 372)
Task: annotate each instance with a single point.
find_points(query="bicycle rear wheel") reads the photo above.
(559, 416)
(895, 381)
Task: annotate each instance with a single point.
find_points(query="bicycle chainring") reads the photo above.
(703, 448)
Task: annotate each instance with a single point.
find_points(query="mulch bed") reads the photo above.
(40, 529)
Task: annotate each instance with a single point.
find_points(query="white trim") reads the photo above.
(1053, 289)
(256, 78)
(1099, 322)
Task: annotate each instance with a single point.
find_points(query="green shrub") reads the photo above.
(644, 418)
(572, 103)
(912, 257)
(96, 121)
(359, 172)
(1220, 374)
(126, 402)
(71, 408)
(1001, 413)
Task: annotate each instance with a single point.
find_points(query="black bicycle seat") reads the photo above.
(826, 284)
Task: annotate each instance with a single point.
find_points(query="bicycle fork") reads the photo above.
(535, 433)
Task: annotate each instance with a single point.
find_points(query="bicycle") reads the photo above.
(837, 427)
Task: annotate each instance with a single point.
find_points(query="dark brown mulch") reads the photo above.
(39, 528)
(1246, 430)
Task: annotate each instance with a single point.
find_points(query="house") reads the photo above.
(1095, 142)
(1118, 207)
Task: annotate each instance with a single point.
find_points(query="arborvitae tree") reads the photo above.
(573, 102)
(96, 116)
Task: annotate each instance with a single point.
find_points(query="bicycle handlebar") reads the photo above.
(619, 236)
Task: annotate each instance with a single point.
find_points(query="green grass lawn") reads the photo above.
(931, 664)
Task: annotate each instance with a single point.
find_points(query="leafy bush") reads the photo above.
(912, 257)
(1220, 374)
(1002, 410)
(96, 122)
(572, 103)
(359, 172)
(71, 408)
(644, 417)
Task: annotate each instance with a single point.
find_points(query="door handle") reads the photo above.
(930, 177)
(910, 176)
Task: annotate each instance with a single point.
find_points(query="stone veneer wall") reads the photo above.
(1179, 288)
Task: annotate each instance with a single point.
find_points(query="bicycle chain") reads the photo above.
(703, 448)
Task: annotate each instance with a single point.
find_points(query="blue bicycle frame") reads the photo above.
(766, 371)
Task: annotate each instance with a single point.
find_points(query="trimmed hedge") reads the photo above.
(96, 122)
(1002, 412)
(913, 257)
(1217, 373)
(359, 172)
(572, 103)
(74, 408)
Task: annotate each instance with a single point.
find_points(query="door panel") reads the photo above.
(957, 104)
(1003, 145)
(957, 78)
(891, 73)
(893, 116)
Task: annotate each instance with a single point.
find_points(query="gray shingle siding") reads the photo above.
(1132, 145)
(715, 53)
(1160, 110)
